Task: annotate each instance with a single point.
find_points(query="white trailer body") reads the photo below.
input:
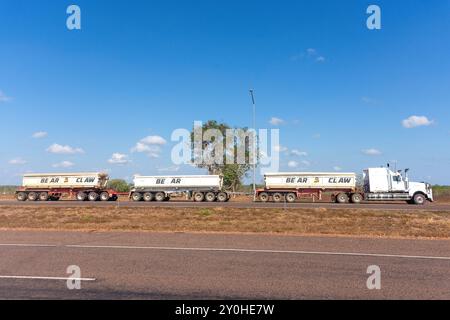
(179, 182)
(197, 187)
(310, 180)
(84, 186)
(95, 180)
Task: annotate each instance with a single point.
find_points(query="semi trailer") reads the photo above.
(195, 187)
(83, 186)
(378, 184)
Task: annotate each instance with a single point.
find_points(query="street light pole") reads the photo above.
(254, 144)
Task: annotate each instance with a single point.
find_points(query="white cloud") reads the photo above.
(4, 97)
(279, 149)
(40, 134)
(320, 59)
(371, 152)
(170, 169)
(293, 164)
(276, 121)
(63, 164)
(305, 163)
(150, 145)
(311, 51)
(368, 100)
(119, 158)
(154, 140)
(17, 161)
(416, 121)
(316, 136)
(60, 149)
(299, 153)
(337, 168)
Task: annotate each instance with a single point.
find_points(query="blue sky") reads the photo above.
(141, 69)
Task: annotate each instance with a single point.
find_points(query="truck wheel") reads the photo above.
(342, 198)
(136, 196)
(199, 197)
(148, 196)
(210, 197)
(93, 196)
(263, 197)
(32, 196)
(160, 196)
(222, 197)
(104, 196)
(81, 196)
(43, 196)
(291, 197)
(277, 197)
(22, 196)
(356, 198)
(419, 199)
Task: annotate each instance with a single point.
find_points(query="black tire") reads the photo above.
(291, 197)
(160, 197)
(136, 196)
(263, 197)
(93, 196)
(104, 196)
(222, 197)
(21, 196)
(277, 197)
(81, 196)
(148, 196)
(419, 199)
(356, 198)
(210, 197)
(342, 198)
(32, 196)
(43, 196)
(199, 197)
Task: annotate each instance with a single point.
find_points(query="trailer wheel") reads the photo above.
(210, 197)
(160, 197)
(93, 196)
(356, 198)
(32, 196)
(342, 198)
(419, 199)
(291, 197)
(136, 196)
(222, 197)
(199, 197)
(148, 196)
(277, 197)
(22, 196)
(104, 196)
(263, 197)
(43, 196)
(81, 196)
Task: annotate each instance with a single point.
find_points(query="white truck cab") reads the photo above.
(384, 184)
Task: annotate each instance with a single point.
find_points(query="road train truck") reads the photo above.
(194, 187)
(378, 184)
(52, 186)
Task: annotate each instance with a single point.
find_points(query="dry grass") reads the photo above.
(320, 221)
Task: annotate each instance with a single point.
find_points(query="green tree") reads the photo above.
(233, 173)
(119, 185)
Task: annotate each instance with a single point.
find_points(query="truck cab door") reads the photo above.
(397, 183)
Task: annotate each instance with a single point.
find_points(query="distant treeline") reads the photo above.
(7, 189)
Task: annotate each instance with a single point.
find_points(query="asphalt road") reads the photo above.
(212, 266)
(187, 204)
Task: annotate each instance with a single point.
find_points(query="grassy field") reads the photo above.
(320, 221)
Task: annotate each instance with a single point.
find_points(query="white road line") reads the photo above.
(265, 251)
(26, 245)
(46, 278)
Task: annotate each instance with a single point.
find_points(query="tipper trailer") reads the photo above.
(196, 187)
(83, 186)
(379, 184)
